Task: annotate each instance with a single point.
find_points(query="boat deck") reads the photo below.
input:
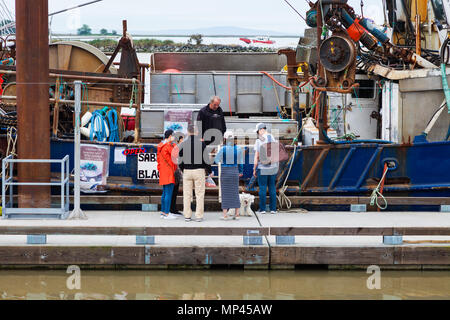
(108, 238)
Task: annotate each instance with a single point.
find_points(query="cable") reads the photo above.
(295, 10)
(76, 7)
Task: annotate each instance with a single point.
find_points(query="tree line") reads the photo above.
(85, 30)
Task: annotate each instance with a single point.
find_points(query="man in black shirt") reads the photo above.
(195, 164)
(212, 122)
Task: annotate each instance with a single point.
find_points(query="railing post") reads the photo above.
(77, 213)
(11, 177)
(3, 185)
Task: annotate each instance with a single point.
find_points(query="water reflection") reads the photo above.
(223, 284)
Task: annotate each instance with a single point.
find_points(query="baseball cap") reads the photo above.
(228, 135)
(260, 126)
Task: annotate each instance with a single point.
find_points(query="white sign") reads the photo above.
(147, 167)
(119, 156)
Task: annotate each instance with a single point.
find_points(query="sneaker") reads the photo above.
(162, 215)
(273, 212)
(199, 220)
(170, 217)
(236, 218)
(188, 219)
(262, 212)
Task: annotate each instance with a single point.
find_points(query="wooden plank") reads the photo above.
(413, 255)
(331, 255)
(35, 230)
(138, 255)
(239, 255)
(206, 231)
(210, 255)
(114, 199)
(423, 231)
(21, 255)
(321, 200)
(224, 231)
(302, 200)
(92, 255)
(64, 54)
(331, 231)
(296, 200)
(410, 200)
(123, 231)
(50, 255)
(208, 199)
(105, 199)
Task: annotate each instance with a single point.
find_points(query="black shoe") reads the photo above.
(178, 213)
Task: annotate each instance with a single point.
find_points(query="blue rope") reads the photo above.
(98, 120)
(113, 126)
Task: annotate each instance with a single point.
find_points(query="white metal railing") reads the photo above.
(8, 209)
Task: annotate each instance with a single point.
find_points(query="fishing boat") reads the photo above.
(257, 40)
(263, 40)
(385, 135)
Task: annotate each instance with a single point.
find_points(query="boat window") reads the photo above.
(366, 89)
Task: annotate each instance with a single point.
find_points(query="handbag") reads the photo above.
(272, 152)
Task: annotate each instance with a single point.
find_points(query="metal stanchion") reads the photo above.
(77, 213)
(220, 183)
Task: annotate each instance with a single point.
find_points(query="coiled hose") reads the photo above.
(98, 127)
(113, 124)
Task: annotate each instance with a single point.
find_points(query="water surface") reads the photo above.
(223, 284)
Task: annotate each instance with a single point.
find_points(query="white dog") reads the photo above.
(246, 204)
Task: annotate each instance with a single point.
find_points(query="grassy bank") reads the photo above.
(154, 45)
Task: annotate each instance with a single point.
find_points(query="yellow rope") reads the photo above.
(426, 241)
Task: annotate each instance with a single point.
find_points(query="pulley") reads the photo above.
(336, 53)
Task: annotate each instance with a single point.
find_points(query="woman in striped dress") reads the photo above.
(231, 158)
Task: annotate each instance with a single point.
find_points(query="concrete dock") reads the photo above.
(142, 239)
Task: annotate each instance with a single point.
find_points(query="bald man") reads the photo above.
(211, 120)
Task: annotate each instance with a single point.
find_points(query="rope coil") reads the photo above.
(376, 194)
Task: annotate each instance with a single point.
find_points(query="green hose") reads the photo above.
(445, 85)
(444, 61)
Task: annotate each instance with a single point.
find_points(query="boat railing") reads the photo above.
(8, 209)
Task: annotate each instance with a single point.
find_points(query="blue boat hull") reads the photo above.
(356, 169)
(420, 169)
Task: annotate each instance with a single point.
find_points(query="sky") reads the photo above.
(145, 16)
